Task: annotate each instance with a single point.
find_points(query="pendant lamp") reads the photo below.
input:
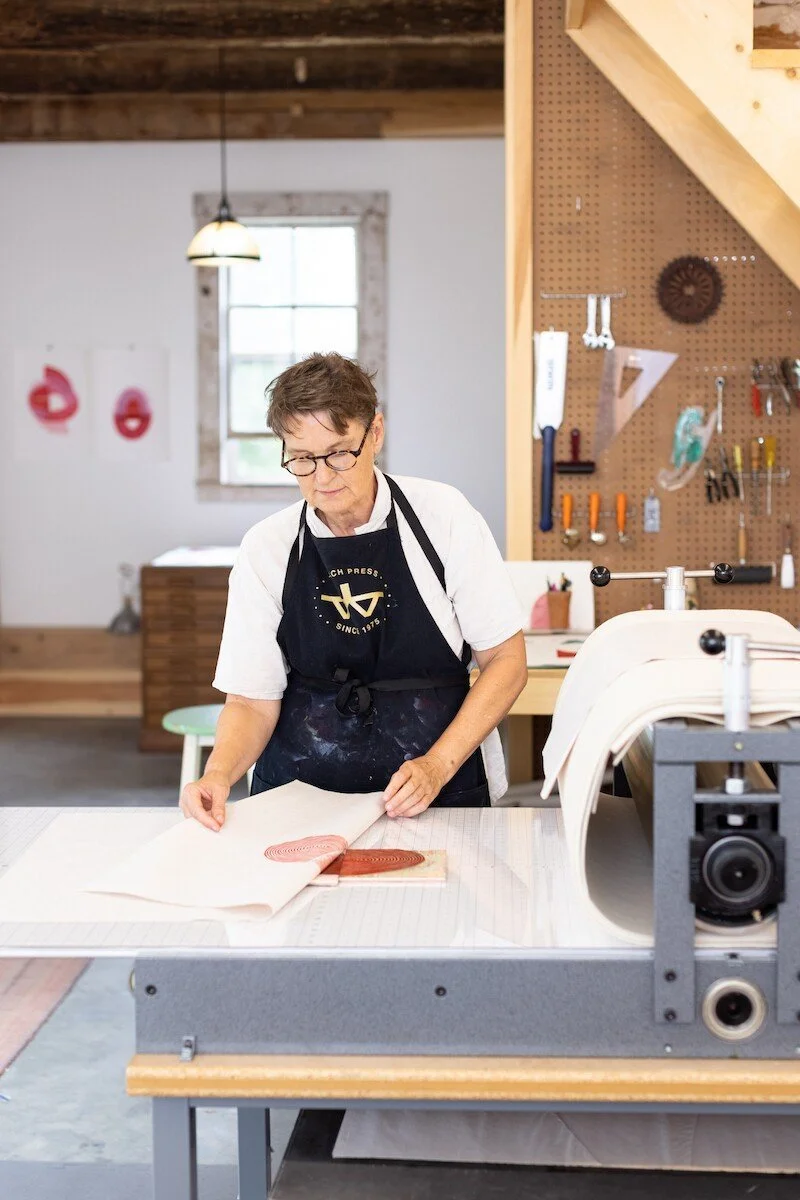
(224, 242)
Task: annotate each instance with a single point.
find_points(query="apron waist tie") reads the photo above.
(353, 695)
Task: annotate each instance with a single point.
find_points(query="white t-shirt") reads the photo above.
(480, 605)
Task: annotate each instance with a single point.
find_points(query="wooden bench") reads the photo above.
(253, 1083)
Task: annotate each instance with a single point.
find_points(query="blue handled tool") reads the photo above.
(551, 378)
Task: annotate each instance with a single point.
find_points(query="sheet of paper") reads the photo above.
(683, 1141)
(50, 860)
(269, 848)
(542, 649)
(529, 580)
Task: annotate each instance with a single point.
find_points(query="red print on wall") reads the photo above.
(132, 414)
(54, 401)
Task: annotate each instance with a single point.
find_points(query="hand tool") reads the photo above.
(689, 443)
(606, 338)
(590, 336)
(790, 369)
(719, 384)
(787, 561)
(727, 480)
(569, 535)
(755, 466)
(551, 377)
(742, 540)
(754, 573)
(713, 490)
(652, 512)
(755, 388)
(778, 381)
(595, 534)
(620, 398)
(768, 407)
(575, 465)
(770, 448)
(621, 506)
(738, 463)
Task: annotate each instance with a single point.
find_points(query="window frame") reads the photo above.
(368, 212)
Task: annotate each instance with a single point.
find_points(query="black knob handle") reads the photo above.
(712, 641)
(723, 573)
(600, 576)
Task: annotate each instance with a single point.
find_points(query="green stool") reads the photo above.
(198, 726)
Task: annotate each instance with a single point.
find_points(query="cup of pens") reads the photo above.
(558, 598)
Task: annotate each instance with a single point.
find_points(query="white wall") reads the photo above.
(93, 240)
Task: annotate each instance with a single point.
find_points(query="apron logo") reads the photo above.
(346, 600)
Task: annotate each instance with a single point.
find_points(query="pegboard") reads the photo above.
(612, 206)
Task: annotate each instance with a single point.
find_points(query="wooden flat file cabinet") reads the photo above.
(183, 610)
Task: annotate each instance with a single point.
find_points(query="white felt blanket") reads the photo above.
(630, 640)
(635, 670)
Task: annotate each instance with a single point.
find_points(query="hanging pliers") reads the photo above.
(729, 484)
(713, 489)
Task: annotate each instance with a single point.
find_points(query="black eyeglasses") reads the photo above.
(337, 460)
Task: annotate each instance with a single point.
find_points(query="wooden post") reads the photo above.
(519, 277)
(519, 322)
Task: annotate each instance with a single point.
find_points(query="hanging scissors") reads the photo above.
(713, 489)
(729, 484)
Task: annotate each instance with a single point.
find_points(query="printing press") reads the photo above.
(656, 919)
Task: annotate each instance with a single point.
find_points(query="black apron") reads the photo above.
(372, 680)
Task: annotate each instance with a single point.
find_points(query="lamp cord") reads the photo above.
(222, 132)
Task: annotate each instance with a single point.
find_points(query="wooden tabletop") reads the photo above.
(538, 698)
(477, 1079)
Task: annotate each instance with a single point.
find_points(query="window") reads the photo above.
(319, 286)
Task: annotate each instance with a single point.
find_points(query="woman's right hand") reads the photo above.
(205, 800)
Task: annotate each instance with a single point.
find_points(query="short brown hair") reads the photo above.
(320, 383)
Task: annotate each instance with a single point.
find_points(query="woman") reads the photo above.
(352, 619)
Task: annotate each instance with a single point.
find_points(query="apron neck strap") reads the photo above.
(413, 520)
(294, 559)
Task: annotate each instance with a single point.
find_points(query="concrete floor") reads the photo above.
(82, 761)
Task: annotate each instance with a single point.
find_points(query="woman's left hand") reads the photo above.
(414, 786)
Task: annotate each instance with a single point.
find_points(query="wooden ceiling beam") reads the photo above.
(81, 24)
(463, 113)
(455, 39)
(147, 69)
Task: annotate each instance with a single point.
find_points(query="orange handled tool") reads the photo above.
(596, 536)
(569, 535)
(742, 540)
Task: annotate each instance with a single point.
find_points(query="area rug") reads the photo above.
(30, 990)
